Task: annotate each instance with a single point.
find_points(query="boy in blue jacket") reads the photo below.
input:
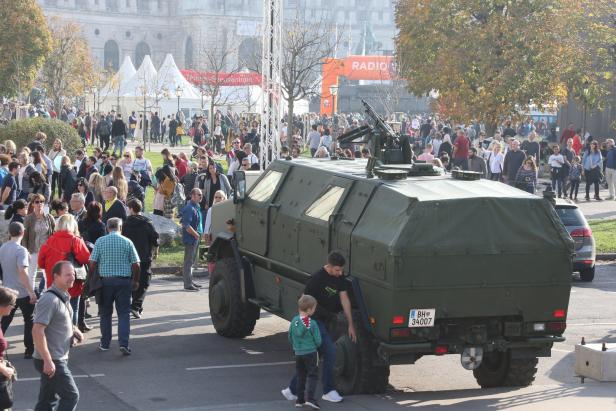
(305, 337)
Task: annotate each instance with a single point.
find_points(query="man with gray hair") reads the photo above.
(250, 155)
(78, 203)
(117, 262)
(14, 261)
(112, 207)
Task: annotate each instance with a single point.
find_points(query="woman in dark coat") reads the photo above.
(68, 179)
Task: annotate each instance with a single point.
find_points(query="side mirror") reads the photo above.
(239, 186)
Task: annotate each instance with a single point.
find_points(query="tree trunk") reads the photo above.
(290, 107)
(491, 128)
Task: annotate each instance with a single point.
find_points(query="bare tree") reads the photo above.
(390, 88)
(69, 69)
(218, 65)
(305, 46)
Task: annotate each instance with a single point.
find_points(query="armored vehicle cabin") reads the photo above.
(438, 265)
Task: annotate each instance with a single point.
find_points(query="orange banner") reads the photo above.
(353, 68)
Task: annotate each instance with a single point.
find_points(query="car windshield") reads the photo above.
(571, 216)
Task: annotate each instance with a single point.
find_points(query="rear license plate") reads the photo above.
(422, 317)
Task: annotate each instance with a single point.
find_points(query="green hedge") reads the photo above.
(22, 132)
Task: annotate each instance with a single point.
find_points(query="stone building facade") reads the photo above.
(117, 28)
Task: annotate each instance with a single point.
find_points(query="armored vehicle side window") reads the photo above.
(325, 205)
(265, 188)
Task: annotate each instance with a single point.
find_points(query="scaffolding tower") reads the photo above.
(271, 69)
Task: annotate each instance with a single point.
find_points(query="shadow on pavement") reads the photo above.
(479, 399)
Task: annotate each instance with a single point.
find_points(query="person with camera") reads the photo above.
(54, 334)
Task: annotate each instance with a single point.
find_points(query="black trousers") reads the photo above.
(27, 311)
(306, 367)
(104, 142)
(144, 284)
(592, 177)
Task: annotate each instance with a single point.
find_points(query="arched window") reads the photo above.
(112, 56)
(249, 53)
(141, 51)
(188, 54)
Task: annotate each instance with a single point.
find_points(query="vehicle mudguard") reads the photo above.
(358, 297)
(225, 246)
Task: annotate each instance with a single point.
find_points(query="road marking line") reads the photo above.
(74, 376)
(261, 364)
(587, 324)
(557, 350)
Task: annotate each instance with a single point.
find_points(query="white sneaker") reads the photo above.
(332, 396)
(288, 394)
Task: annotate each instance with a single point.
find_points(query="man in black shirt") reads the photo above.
(329, 287)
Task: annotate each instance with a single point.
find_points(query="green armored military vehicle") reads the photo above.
(438, 265)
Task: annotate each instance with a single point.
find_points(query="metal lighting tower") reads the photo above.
(271, 70)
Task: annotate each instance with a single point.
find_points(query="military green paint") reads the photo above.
(473, 250)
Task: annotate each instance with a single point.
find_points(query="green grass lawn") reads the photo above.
(172, 255)
(604, 232)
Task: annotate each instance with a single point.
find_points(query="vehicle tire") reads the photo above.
(498, 369)
(231, 317)
(354, 372)
(587, 274)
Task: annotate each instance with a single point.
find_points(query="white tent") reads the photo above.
(120, 79)
(144, 79)
(169, 78)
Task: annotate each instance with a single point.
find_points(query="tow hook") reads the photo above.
(471, 357)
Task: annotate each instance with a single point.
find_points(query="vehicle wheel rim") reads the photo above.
(218, 298)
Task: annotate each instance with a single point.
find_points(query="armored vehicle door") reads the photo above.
(328, 219)
(254, 213)
(343, 221)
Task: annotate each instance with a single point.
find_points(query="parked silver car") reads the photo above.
(578, 228)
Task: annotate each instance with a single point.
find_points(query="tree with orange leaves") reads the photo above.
(68, 70)
(493, 58)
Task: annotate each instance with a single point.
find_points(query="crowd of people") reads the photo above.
(515, 154)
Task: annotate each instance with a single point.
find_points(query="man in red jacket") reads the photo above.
(567, 134)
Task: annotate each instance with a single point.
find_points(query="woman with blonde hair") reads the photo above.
(98, 185)
(11, 148)
(127, 164)
(55, 155)
(119, 181)
(64, 241)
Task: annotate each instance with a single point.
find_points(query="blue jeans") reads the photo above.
(118, 290)
(58, 391)
(119, 142)
(327, 352)
(75, 307)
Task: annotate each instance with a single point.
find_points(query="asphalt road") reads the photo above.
(179, 363)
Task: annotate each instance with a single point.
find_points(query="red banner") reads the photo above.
(225, 79)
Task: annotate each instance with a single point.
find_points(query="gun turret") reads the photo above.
(386, 146)
(379, 123)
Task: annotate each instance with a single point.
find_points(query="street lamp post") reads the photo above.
(144, 126)
(333, 90)
(178, 93)
(94, 91)
(94, 116)
(585, 92)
